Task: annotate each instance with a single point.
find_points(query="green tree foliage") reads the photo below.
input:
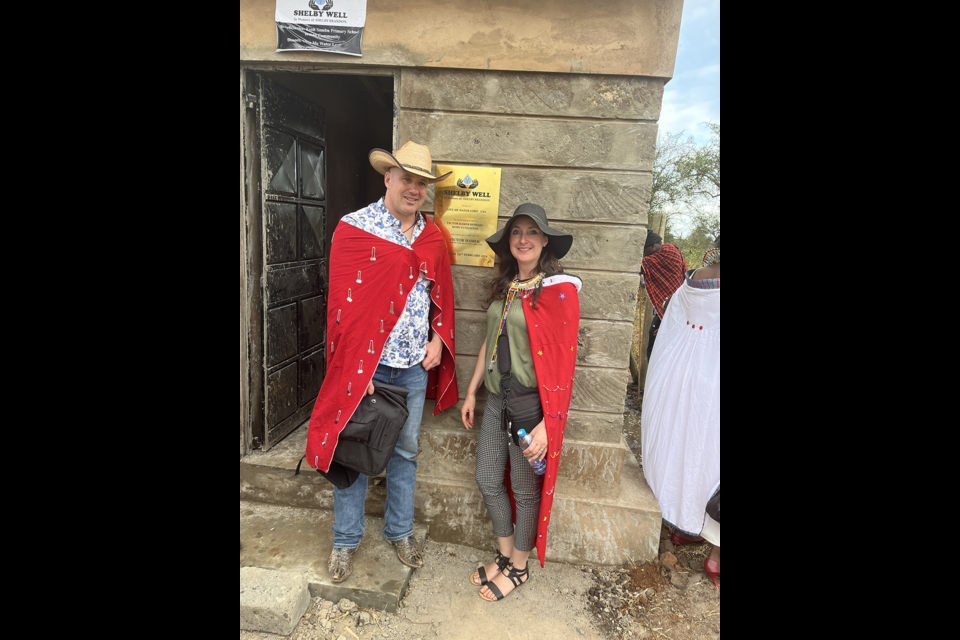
(686, 189)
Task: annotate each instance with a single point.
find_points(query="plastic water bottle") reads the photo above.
(539, 468)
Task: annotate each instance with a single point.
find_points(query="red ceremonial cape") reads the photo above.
(554, 328)
(370, 280)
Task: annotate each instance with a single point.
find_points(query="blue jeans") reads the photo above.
(401, 471)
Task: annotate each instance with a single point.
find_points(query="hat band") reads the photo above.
(410, 166)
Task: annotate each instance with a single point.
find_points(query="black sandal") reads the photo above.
(515, 577)
(502, 561)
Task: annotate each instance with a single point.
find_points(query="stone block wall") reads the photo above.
(583, 147)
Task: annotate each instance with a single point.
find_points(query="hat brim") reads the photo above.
(559, 245)
(383, 161)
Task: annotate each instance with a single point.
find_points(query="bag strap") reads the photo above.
(504, 360)
(300, 465)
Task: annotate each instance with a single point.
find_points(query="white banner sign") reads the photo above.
(333, 26)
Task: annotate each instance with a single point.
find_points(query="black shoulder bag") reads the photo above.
(521, 405)
(368, 441)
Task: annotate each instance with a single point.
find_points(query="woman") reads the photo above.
(538, 308)
(681, 411)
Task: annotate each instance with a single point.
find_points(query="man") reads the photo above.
(664, 269)
(390, 304)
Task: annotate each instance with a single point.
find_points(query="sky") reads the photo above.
(693, 96)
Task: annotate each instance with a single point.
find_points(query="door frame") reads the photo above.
(251, 258)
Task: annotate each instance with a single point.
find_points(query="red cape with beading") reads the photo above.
(554, 328)
(370, 280)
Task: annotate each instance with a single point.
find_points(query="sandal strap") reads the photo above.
(502, 563)
(495, 590)
(515, 576)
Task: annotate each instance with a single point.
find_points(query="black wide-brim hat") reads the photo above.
(560, 243)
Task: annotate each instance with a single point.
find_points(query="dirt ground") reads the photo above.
(671, 599)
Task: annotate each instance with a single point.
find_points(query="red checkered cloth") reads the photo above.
(665, 273)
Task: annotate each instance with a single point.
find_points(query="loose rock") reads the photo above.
(669, 561)
(347, 607)
(679, 580)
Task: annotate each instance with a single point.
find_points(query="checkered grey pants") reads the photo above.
(493, 451)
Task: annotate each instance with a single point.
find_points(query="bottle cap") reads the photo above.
(522, 433)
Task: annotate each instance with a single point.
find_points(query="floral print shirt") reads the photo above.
(407, 345)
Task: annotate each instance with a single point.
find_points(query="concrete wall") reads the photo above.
(623, 37)
(581, 146)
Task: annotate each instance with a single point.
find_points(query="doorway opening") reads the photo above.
(308, 141)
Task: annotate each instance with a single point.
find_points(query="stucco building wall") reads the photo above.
(616, 37)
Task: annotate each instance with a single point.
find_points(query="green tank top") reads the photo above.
(522, 365)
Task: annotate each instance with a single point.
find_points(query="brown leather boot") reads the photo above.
(409, 553)
(341, 564)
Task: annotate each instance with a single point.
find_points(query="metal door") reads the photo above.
(293, 154)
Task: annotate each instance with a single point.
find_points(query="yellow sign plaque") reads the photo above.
(467, 206)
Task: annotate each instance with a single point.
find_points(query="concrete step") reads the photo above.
(582, 530)
(586, 470)
(614, 524)
(299, 541)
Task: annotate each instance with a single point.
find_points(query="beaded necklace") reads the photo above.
(515, 287)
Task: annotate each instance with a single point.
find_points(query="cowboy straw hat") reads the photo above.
(560, 243)
(413, 157)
